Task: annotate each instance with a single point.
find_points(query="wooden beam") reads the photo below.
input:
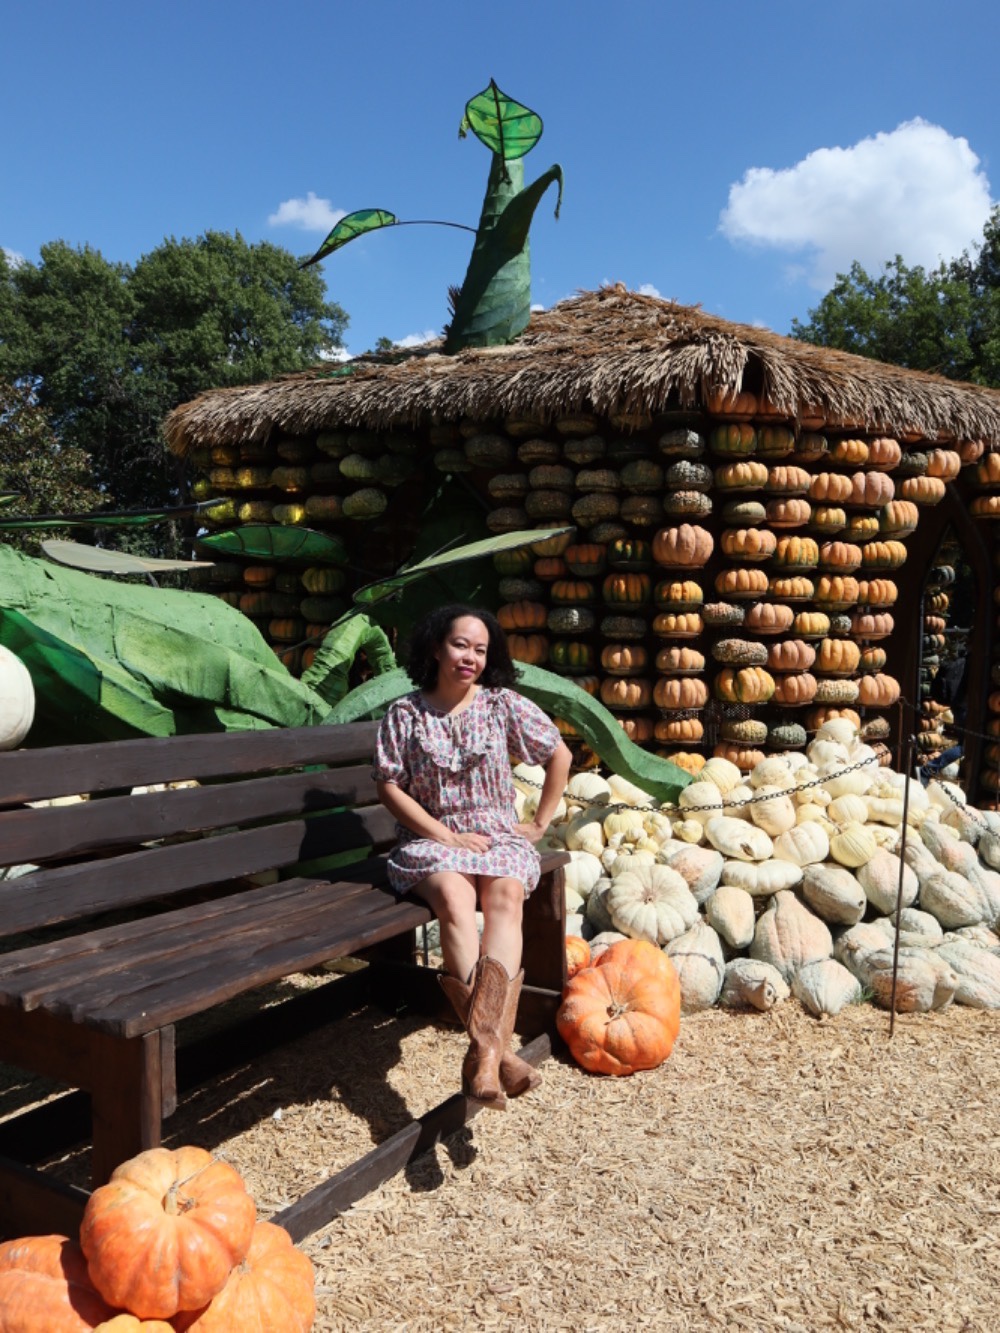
(32, 1204)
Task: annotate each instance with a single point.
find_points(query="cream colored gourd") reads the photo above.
(700, 868)
(822, 752)
(624, 792)
(17, 700)
(658, 826)
(879, 877)
(616, 860)
(762, 879)
(701, 801)
(528, 778)
(698, 960)
(925, 980)
(588, 789)
(730, 911)
(885, 810)
(803, 845)
(843, 782)
(914, 922)
(738, 840)
(604, 940)
(721, 773)
(775, 814)
(806, 812)
(575, 905)
(651, 902)
(750, 984)
(953, 899)
(788, 935)
(585, 832)
(866, 937)
(689, 830)
(834, 894)
(981, 936)
(775, 771)
(944, 844)
(853, 845)
(825, 988)
(839, 729)
(847, 810)
(978, 972)
(582, 872)
(624, 822)
(736, 803)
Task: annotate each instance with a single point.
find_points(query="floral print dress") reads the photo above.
(457, 766)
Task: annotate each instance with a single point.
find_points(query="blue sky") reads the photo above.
(732, 155)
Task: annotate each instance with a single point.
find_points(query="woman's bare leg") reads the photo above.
(502, 901)
(452, 896)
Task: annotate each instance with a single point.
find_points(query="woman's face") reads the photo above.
(462, 654)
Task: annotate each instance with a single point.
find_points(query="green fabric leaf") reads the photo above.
(98, 561)
(559, 697)
(327, 674)
(123, 518)
(506, 127)
(113, 659)
(507, 541)
(266, 541)
(348, 228)
(8, 498)
(494, 303)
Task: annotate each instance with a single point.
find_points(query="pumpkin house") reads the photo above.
(755, 522)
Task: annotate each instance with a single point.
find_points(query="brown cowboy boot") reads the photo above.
(516, 1075)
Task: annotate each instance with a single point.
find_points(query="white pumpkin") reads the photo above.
(528, 778)
(750, 984)
(848, 809)
(953, 899)
(834, 894)
(624, 821)
(700, 867)
(17, 700)
(658, 826)
(575, 902)
(762, 879)
(866, 937)
(981, 936)
(803, 845)
(788, 935)
(824, 752)
(966, 822)
(808, 812)
(596, 910)
(775, 771)
(585, 832)
(826, 987)
(698, 960)
(582, 872)
(885, 810)
(624, 858)
(841, 781)
(978, 973)
(627, 793)
(588, 789)
(796, 760)
(730, 911)
(651, 902)
(879, 877)
(689, 830)
(839, 729)
(737, 839)
(701, 801)
(775, 813)
(853, 845)
(914, 922)
(603, 940)
(721, 773)
(736, 803)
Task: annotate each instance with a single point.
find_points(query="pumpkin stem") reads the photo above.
(172, 1205)
(616, 1009)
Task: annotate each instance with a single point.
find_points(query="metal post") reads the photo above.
(910, 747)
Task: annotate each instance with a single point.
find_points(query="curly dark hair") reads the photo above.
(430, 633)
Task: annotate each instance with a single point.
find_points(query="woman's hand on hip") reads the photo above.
(532, 831)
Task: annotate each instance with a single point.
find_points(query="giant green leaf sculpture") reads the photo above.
(493, 304)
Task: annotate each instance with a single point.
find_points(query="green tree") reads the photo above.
(946, 320)
(47, 477)
(108, 349)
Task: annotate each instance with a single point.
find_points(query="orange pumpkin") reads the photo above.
(623, 693)
(826, 712)
(877, 592)
(626, 589)
(572, 592)
(790, 513)
(830, 488)
(740, 406)
(811, 446)
(686, 545)
(796, 689)
(923, 490)
(624, 659)
(747, 475)
(811, 624)
(691, 763)
(871, 490)
(678, 624)
(853, 452)
(988, 471)
(163, 1234)
(554, 545)
(787, 480)
(679, 729)
(872, 659)
(530, 648)
(577, 955)
(548, 567)
(271, 1288)
(672, 692)
(835, 593)
(898, 518)
(44, 1284)
(748, 543)
(587, 560)
(878, 690)
(985, 506)
(744, 685)
(673, 661)
(796, 553)
(883, 555)
(638, 729)
(744, 758)
(791, 588)
(741, 583)
(839, 555)
(829, 518)
(769, 618)
(790, 655)
(775, 442)
(129, 1323)
(677, 594)
(944, 463)
(739, 439)
(623, 1014)
(884, 454)
(838, 657)
(522, 615)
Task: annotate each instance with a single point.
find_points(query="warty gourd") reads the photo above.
(750, 984)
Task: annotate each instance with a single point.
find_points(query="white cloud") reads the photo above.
(536, 306)
(916, 191)
(14, 257)
(336, 354)
(416, 339)
(310, 213)
(647, 289)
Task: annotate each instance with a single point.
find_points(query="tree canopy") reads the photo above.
(946, 320)
(107, 349)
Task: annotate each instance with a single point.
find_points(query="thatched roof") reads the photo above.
(608, 352)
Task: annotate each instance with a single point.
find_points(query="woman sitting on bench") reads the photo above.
(442, 765)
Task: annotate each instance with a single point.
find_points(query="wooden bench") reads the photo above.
(143, 912)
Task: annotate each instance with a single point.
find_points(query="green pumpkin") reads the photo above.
(736, 439)
(788, 736)
(626, 589)
(323, 580)
(571, 656)
(630, 553)
(514, 563)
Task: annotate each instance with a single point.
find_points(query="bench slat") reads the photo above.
(65, 770)
(35, 836)
(66, 892)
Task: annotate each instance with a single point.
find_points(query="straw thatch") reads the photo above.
(607, 352)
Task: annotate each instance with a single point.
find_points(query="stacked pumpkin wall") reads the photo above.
(729, 580)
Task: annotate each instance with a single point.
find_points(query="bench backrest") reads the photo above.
(266, 800)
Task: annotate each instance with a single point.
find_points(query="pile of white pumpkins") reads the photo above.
(772, 884)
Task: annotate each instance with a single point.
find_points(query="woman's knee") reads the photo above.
(504, 896)
(452, 896)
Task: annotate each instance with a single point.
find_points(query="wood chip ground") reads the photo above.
(776, 1173)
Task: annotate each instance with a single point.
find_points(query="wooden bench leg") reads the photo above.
(544, 957)
(127, 1098)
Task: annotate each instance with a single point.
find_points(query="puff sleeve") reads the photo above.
(531, 736)
(391, 745)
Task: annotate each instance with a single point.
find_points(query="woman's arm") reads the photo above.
(412, 815)
(556, 772)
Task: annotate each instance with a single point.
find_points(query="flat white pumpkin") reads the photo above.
(730, 911)
(585, 833)
(700, 867)
(582, 872)
(701, 801)
(627, 793)
(603, 940)
(775, 771)
(854, 944)
(722, 773)
(761, 879)
(788, 935)
(700, 965)
(775, 813)
(651, 902)
(750, 984)
(738, 839)
(914, 922)
(953, 899)
(826, 987)
(803, 845)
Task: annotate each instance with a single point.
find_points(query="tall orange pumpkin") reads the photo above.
(623, 1014)
(163, 1234)
(44, 1284)
(272, 1288)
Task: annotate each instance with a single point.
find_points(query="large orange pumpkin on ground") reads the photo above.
(272, 1289)
(44, 1284)
(163, 1234)
(623, 1014)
